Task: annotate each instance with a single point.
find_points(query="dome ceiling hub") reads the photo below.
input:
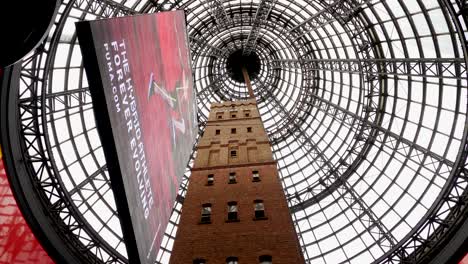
(236, 61)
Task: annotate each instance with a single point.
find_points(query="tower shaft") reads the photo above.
(235, 208)
(245, 73)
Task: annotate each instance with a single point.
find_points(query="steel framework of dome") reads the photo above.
(365, 103)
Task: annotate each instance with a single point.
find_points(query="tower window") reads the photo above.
(265, 259)
(218, 131)
(233, 114)
(210, 179)
(249, 130)
(199, 261)
(259, 209)
(206, 213)
(232, 177)
(232, 260)
(233, 131)
(219, 115)
(247, 113)
(255, 176)
(232, 211)
(233, 153)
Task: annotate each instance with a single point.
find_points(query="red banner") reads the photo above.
(464, 260)
(140, 78)
(17, 242)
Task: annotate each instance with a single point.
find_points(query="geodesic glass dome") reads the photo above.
(364, 101)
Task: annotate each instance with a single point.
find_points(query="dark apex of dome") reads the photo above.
(236, 61)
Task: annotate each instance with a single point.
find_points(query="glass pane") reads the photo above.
(259, 206)
(232, 208)
(206, 210)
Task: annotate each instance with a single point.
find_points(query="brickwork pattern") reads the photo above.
(249, 237)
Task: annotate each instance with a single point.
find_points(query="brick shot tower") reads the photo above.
(235, 210)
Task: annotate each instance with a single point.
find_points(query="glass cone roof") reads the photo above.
(365, 103)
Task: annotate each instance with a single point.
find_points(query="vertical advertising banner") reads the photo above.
(18, 245)
(140, 79)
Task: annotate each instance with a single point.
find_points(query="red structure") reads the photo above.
(464, 260)
(235, 210)
(18, 245)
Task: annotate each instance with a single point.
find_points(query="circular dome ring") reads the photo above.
(356, 96)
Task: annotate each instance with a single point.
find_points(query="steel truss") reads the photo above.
(261, 15)
(438, 67)
(343, 91)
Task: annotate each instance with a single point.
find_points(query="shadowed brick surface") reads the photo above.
(247, 238)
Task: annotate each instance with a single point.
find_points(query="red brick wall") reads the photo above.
(248, 238)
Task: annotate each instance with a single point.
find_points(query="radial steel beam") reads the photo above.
(449, 209)
(159, 5)
(103, 8)
(454, 68)
(328, 171)
(333, 178)
(367, 217)
(68, 99)
(202, 48)
(219, 13)
(222, 20)
(263, 10)
(88, 179)
(336, 10)
(384, 136)
(62, 101)
(215, 87)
